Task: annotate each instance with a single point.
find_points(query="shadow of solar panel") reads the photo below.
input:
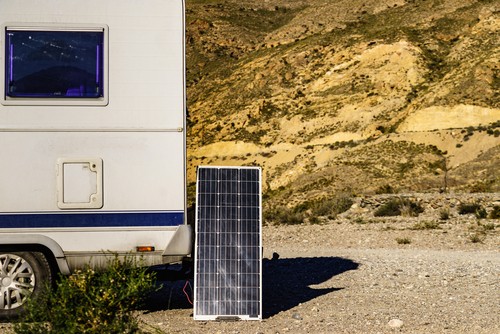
(228, 245)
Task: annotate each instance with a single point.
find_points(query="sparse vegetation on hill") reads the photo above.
(347, 96)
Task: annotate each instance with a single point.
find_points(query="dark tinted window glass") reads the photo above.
(62, 64)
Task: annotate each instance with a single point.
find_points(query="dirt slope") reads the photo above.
(359, 93)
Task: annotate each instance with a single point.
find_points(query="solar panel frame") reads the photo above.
(228, 244)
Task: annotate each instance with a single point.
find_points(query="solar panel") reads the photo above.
(228, 245)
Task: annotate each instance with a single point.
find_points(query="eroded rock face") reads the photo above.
(347, 96)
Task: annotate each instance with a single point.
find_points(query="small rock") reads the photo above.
(296, 316)
(395, 323)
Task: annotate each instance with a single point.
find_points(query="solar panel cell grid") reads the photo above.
(228, 243)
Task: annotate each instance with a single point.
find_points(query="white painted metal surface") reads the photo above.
(123, 153)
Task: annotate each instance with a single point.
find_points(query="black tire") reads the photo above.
(23, 275)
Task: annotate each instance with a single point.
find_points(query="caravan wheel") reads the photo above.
(23, 275)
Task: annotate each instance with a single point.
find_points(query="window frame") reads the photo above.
(51, 100)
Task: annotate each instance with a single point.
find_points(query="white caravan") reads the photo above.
(92, 138)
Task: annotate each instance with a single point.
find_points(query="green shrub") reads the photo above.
(403, 241)
(474, 208)
(331, 206)
(410, 209)
(481, 213)
(444, 214)
(398, 207)
(314, 220)
(359, 220)
(285, 216)
(385, 189)
(426, 225)
(467, 208)
(325, 207)
(489, 227)
(495, 213)
(483, 186)
(476, 238)
(91, 301)
(310, 210)
(389, 209)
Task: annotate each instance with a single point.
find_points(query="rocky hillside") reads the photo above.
(358, 96)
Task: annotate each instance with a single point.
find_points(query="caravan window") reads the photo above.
(54, 64)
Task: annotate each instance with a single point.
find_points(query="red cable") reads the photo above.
(187, 295)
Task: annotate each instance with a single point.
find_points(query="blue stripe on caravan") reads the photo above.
(112, 219)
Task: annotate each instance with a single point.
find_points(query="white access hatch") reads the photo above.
(80, 184)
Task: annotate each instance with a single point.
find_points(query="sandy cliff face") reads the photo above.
(351, 96)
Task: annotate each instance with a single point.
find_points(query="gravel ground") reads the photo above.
(346, 277)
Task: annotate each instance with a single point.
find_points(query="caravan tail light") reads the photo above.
(144, 249)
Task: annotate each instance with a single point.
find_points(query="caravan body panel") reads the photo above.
(96, 166)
